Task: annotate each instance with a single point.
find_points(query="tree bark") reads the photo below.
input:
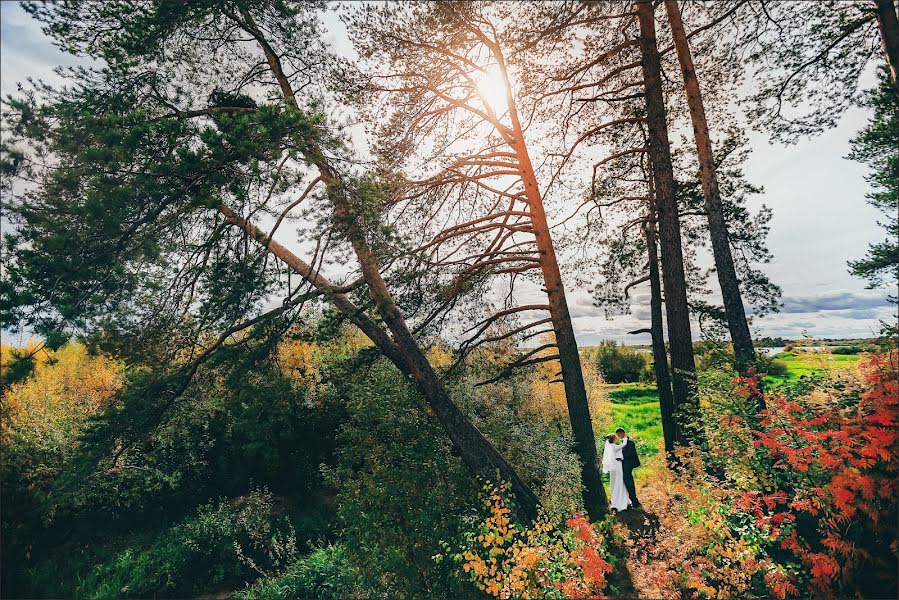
(595, 501)
(724, 260)
(475, 449)
(888, 21)
(341, 301)
(670, 433)
(680, 339)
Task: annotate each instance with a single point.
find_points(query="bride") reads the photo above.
(612, 464)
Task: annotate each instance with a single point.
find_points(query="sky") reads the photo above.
(820, 217)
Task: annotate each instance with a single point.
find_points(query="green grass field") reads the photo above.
(801, 363)
(635, 407)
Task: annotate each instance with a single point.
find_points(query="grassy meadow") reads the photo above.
(806, 363)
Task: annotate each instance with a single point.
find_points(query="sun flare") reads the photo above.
(491, 86)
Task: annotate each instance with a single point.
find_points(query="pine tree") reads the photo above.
(148, 172)
(877, 145)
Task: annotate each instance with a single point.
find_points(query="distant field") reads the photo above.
(635, 407)
(799, 363)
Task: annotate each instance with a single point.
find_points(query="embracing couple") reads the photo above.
(619, 458)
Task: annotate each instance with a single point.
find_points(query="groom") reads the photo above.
(629, 461)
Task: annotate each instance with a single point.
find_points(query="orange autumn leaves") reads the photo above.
(507, 561)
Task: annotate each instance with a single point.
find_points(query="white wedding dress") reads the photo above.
(613, 466)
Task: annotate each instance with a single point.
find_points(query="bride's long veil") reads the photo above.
(608, 458)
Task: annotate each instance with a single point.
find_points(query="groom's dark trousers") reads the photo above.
(629, 462)
(628, 473)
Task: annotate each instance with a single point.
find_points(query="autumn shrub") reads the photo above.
(69, 492)
(800, 498)
(401, 490)
(506, 560)
(543, 397)
(237, 427)
(43, 416)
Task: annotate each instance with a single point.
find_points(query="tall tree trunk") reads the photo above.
(475, 450)
(680, 339)
(670, 431)
(595, 501)
(724, 260)
(888, 21)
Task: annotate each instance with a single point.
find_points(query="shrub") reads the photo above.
(43, 416)
(224, 545)
(771, 366)
(399, 487)
(804, 495)
(634, 395)
(505, 560)
(621, 364)
(851, 349)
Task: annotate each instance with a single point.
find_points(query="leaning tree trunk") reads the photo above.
(475, 450)
(340, 300)
(680, 339)
(888, 21)
(724, 260)
(670, 431)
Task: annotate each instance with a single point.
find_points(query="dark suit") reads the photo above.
(629, 462)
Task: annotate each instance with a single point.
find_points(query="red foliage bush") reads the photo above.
(803, 500)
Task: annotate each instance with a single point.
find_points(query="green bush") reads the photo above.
(403, 493)
(622, 364)
(400, 489)
(851, 349)
(325, 573)
(634, 395)
(223, 546)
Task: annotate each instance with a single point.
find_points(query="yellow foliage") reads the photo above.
(66, 387)
(303, 360)
(547, 393)
(297, 359)
(506, 562)
(440, 356)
